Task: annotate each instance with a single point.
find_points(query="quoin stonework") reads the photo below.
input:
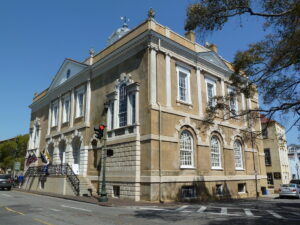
(157, 86)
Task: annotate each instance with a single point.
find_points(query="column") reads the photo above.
(59, 113)
(153, 97)
(223, 88)
(88, 103)
(168, 81)
(49, 120)
(69, 151)
(72, 108)
(199, 88)
(56, 153)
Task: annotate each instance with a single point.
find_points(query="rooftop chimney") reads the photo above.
(212, 47)
(191, 36)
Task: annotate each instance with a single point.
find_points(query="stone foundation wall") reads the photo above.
(58, 185)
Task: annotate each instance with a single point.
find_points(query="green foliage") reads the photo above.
(272, 65)
(13, 150)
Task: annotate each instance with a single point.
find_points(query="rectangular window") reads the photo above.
(116, 191)
(80, 103)
(183, 77)
(242, 188)
(264, 132)
(188, 192)
(233, 103)
(270, 178)
(54, 114)
(268, 161)
(210, 92)
(133, 108)
(66, 109)
(219, 189)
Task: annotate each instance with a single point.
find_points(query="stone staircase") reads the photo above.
(86, 187)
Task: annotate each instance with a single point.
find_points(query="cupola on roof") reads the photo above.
(120, 32)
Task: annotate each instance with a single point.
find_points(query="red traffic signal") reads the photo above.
(99, 131)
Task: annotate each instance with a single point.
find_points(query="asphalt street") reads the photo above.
(30, 209)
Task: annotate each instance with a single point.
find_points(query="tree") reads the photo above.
(272, 64)
(13, 150)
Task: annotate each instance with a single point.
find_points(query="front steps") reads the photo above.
(86, 187)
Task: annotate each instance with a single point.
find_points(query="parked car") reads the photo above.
(289, 190)
(295, 182)
(5, 181)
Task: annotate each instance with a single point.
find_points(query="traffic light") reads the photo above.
(99, 131)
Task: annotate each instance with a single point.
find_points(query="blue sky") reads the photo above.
(36, 36)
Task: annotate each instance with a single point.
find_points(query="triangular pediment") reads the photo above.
(68, 69)
(213, 58)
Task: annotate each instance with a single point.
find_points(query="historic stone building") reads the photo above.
(156, 86)
(276, 153)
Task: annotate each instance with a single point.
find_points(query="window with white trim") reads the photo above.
(111, 117)
(210, 92)
(54, 113)
(34, 135)
(186, 150)
(238, 155)
(215, 153)
(183, 79)
(80, 100)
(66, 109)
(122, 105)
(233, 103)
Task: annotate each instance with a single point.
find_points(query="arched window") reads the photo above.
(238, 155)
(186, 150)
(215, 153)
(122, 105)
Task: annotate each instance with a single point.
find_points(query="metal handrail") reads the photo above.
(55, 170)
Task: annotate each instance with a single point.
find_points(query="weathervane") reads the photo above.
(151, 13)
(125, 21)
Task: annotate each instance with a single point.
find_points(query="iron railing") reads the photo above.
(55, 170)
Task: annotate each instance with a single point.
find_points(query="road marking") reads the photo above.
(55, 210)
(274, 214)
(224, 211)
(65, 206)
(202, 209)
(145, 208)
(181, 208)
(6, 195)
(248, 212)
(11, 210)
(295, 213)
(42, 221)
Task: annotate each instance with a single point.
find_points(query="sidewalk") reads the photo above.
(112, 202)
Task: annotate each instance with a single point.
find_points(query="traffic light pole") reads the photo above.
(103, 194)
